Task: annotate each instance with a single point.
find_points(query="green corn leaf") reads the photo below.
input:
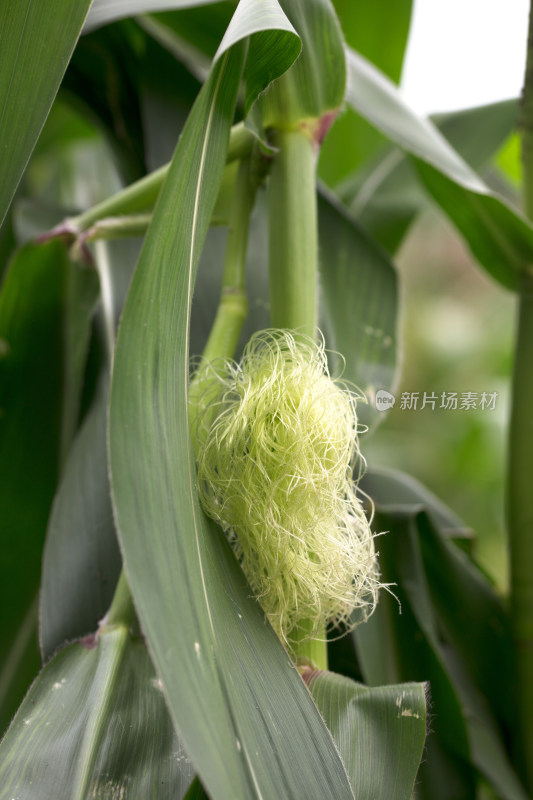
(46, 304)
(380, 731)
(30, 76)
(242, 709)
(500, 238)
(95, 724)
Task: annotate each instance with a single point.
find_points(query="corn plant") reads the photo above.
(207, 591)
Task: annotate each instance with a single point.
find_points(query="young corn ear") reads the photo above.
(277, 447)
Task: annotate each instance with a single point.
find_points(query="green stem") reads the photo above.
(142, 195)
(293, 233)
(520, 523)
(519, 492)
(233, 307)
(527, 124)
(309, 652)
(293, 271)
(118, 227)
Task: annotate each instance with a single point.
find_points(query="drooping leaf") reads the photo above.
(374, 96)
(243, 711)
(385, 195)
(499, 237)
(380, 732)
(46, 304)
(30, 77)
(379, 32)
(478, 133)
(95, 724)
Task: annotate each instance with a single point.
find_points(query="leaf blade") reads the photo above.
(30, 77)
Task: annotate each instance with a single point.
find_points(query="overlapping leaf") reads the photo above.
(245, 715)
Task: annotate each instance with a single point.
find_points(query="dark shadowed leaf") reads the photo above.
(103, 82)
(81, 560)
(164, 110)
(394, 491)
(46, 304)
